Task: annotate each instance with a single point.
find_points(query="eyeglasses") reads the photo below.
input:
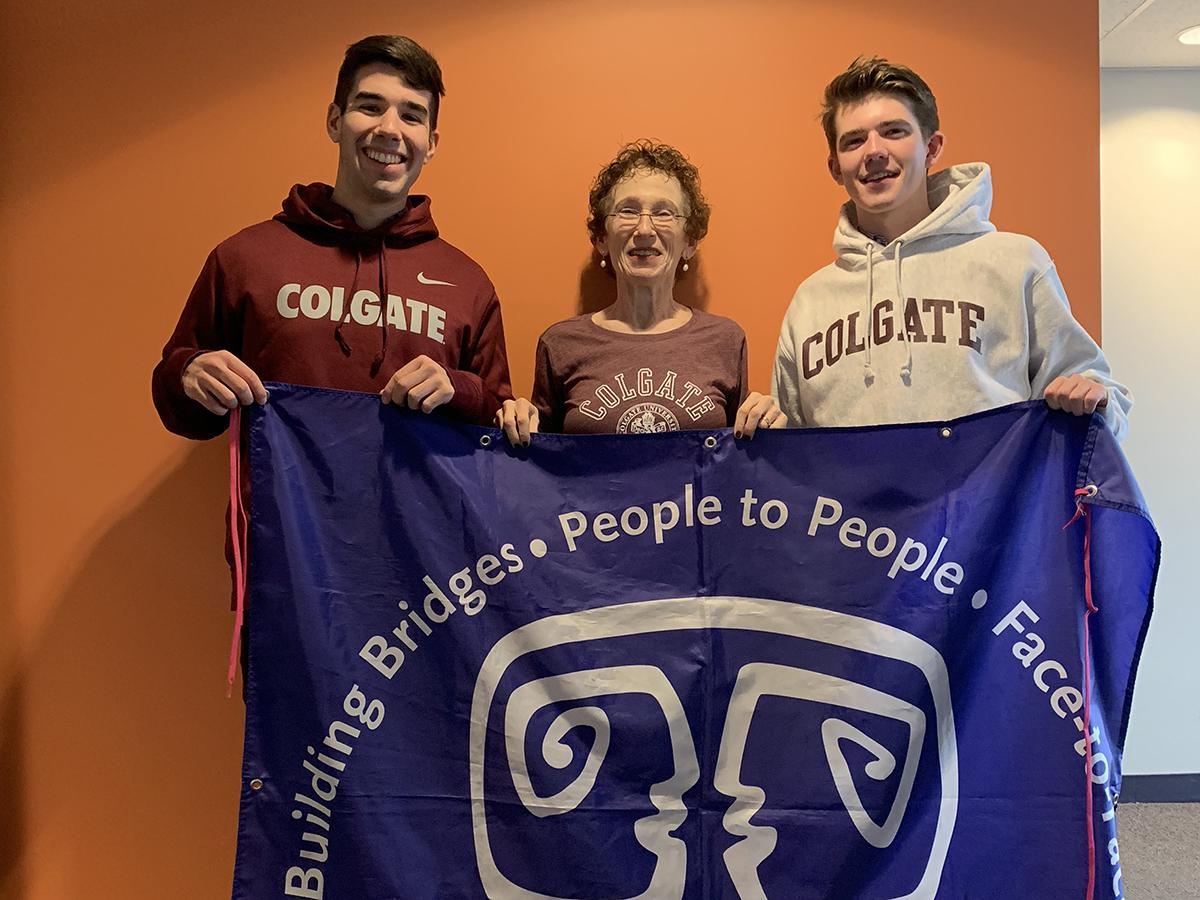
(630, 217)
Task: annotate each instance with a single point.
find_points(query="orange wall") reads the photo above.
(137, 136)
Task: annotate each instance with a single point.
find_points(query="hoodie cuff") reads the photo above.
(173, 366)
(1116, 414)
(180, 413)
(468, 398)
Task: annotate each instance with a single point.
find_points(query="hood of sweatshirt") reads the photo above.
(310, 208)
(960, 199)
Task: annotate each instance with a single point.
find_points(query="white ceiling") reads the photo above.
(1142, 33)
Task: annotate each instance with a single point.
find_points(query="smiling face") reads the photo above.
(384, 138)
(882, 160)
(650, 249)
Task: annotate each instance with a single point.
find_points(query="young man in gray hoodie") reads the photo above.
(929, 312)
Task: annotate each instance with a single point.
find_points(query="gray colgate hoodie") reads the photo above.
(950, 318)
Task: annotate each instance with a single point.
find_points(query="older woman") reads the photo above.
(646, 363)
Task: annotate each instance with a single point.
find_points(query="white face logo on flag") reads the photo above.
(754, 681)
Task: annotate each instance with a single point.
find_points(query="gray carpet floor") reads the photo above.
(1160, 850)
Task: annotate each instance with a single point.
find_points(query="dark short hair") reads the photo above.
(865, 77)
(648, 156)
(416, 64)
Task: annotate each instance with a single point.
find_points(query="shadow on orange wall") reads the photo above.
(12, 789)
(142, 796)
(14, 735)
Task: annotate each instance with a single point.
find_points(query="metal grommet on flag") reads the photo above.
(256, 784)
(485, 440)
(946, 432)
(1090, 491)
(710, 442)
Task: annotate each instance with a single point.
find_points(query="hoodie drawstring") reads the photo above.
(343, 345)
(901, 308)
(345, 317)
(377, 362)
(868, 372)
(902, 305)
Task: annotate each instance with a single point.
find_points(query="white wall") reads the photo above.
(1150, 252)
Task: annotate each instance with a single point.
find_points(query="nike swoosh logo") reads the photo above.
(423, 280)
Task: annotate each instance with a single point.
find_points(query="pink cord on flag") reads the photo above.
(1081, 511)
(237, 536)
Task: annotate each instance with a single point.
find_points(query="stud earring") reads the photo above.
(685, 265)
(603, 262)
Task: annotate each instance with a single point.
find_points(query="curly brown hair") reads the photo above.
(647, 156)
(865, 77)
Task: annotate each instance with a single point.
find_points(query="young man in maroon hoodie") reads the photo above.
(348, 286)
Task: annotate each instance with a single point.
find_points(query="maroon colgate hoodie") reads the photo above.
(310, 298)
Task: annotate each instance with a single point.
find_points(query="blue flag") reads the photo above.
(840, 663)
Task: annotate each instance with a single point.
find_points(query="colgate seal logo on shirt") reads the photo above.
(647, 418)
